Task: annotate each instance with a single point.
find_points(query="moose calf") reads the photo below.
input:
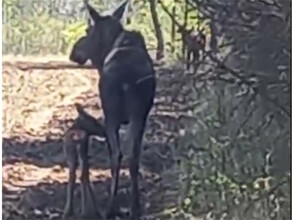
(75, 147)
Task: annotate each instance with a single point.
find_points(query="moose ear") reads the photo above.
(118, 13)
(92, 12)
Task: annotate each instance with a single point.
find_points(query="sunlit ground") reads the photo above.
(32, 98)
(20, 175)
(38, 107)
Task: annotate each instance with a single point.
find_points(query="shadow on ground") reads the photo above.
(34, 168)
(35, 177)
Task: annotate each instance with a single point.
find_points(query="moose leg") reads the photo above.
(72, 162)
(84, 181)
(189, 53)
(196, 56)
(137, 129)
(84, 178)
(112, 130)
(110, 152)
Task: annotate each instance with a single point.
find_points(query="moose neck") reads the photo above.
(104, 49)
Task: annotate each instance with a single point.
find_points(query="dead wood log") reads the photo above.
(49, 65)
(45, 65)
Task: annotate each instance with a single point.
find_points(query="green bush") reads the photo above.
(72, 33)
(34, 29)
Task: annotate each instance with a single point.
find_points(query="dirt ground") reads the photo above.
(38, 106)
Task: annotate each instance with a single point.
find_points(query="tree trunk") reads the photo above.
(173, 30)
(213, 40)
(158, 32)
(185, 26)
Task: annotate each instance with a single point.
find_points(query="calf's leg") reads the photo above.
(72, 161)
(88, 203)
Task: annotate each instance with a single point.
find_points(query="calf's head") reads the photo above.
(100, 35)
(88, 123)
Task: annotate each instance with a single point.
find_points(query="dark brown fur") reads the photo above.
(126, 87)
(75, 145)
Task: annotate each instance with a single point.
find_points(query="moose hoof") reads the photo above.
(87, 216)
(91, 215)
(135, 213)
(110, 214)
(135, 216)
(67, 213)
(112, 210)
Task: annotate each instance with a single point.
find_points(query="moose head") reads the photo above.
(100, 35)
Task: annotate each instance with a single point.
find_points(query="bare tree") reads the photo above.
(185, 26)
(158, 32)
(173, 29)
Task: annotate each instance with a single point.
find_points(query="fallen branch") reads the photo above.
(51, 65)
(46, 65)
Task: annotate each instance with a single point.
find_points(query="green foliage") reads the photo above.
(36, 33)
(72, 33)
(141, 21)
(35, 29)
(32, 30)
(228, 170)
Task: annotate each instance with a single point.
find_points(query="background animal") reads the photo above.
(195, 42)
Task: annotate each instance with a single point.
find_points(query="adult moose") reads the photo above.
(127, 88)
